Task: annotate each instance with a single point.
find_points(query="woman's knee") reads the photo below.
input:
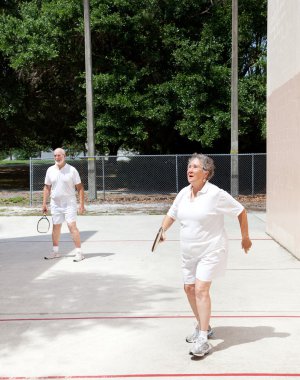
(202, 289)
(189, 289)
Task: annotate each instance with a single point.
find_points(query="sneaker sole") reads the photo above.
(200, 355)
(77, 261)
(52, 258)
(203, 353)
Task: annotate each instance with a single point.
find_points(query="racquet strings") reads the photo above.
(43, 225)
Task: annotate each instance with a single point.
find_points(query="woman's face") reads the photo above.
(195, 173)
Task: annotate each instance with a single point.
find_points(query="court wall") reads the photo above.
(283, 124)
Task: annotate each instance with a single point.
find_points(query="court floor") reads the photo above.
(122, 313)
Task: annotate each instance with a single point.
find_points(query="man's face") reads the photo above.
(59, 158)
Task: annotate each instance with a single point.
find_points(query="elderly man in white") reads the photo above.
(61, 182)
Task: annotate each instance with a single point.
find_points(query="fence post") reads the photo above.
(252, 174)
(103, 177)
(234, 188)
(30, 181)
(176, 165)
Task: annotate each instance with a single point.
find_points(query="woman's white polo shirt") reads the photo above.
(203, 237)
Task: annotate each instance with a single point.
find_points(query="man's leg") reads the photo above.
(56, 234)
(77, 241)
(55, 241)
(75, 234)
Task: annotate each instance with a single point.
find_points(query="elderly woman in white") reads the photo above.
(200, 208)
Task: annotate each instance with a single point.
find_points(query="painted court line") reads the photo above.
(19, 240)
(103, 317)
(156, 375)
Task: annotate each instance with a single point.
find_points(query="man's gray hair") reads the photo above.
(207, 163)
(61, 150)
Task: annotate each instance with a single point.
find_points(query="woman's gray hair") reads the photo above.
(207, 163)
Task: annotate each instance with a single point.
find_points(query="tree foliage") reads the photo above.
(161, 74)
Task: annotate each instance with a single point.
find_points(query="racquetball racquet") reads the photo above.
(158, 239)
(43, 225)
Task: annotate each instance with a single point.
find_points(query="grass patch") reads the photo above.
(14, 162)
(13, 201)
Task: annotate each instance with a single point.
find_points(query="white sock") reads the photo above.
(55, 249)
(203, 334)
(78, 251)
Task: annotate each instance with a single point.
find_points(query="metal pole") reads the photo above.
(234, 103)
(103, 178)
(92, 189)
(253, 174)
(177, 185)
(31, 181)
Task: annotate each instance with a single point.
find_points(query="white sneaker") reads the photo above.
(193, 337)
(201, 347)
(78, 257)
(53, 255)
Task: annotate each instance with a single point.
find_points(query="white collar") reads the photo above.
(202, 191)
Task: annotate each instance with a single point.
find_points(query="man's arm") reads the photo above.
(243, 220)
(46, 194)
(80, 190)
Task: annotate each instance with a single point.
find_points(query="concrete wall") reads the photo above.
(283, 124)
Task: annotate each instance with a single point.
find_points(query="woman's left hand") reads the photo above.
(246, 244)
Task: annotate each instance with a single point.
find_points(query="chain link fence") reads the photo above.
(159, 174)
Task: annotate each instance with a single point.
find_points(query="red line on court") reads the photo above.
(147, 240)
(156, 375)
(112, 241)
(139, 317)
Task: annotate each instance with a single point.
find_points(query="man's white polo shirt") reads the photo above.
(62, 182)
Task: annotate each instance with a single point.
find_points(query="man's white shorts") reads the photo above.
(204, 267)
(64, 212)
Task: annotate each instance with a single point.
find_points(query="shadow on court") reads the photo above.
(238, 335)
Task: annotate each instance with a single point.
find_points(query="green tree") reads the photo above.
(161, 74)
(164, 74)
(40, 41)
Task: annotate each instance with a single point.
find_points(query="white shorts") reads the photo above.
(204, 267)
(64, 212)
